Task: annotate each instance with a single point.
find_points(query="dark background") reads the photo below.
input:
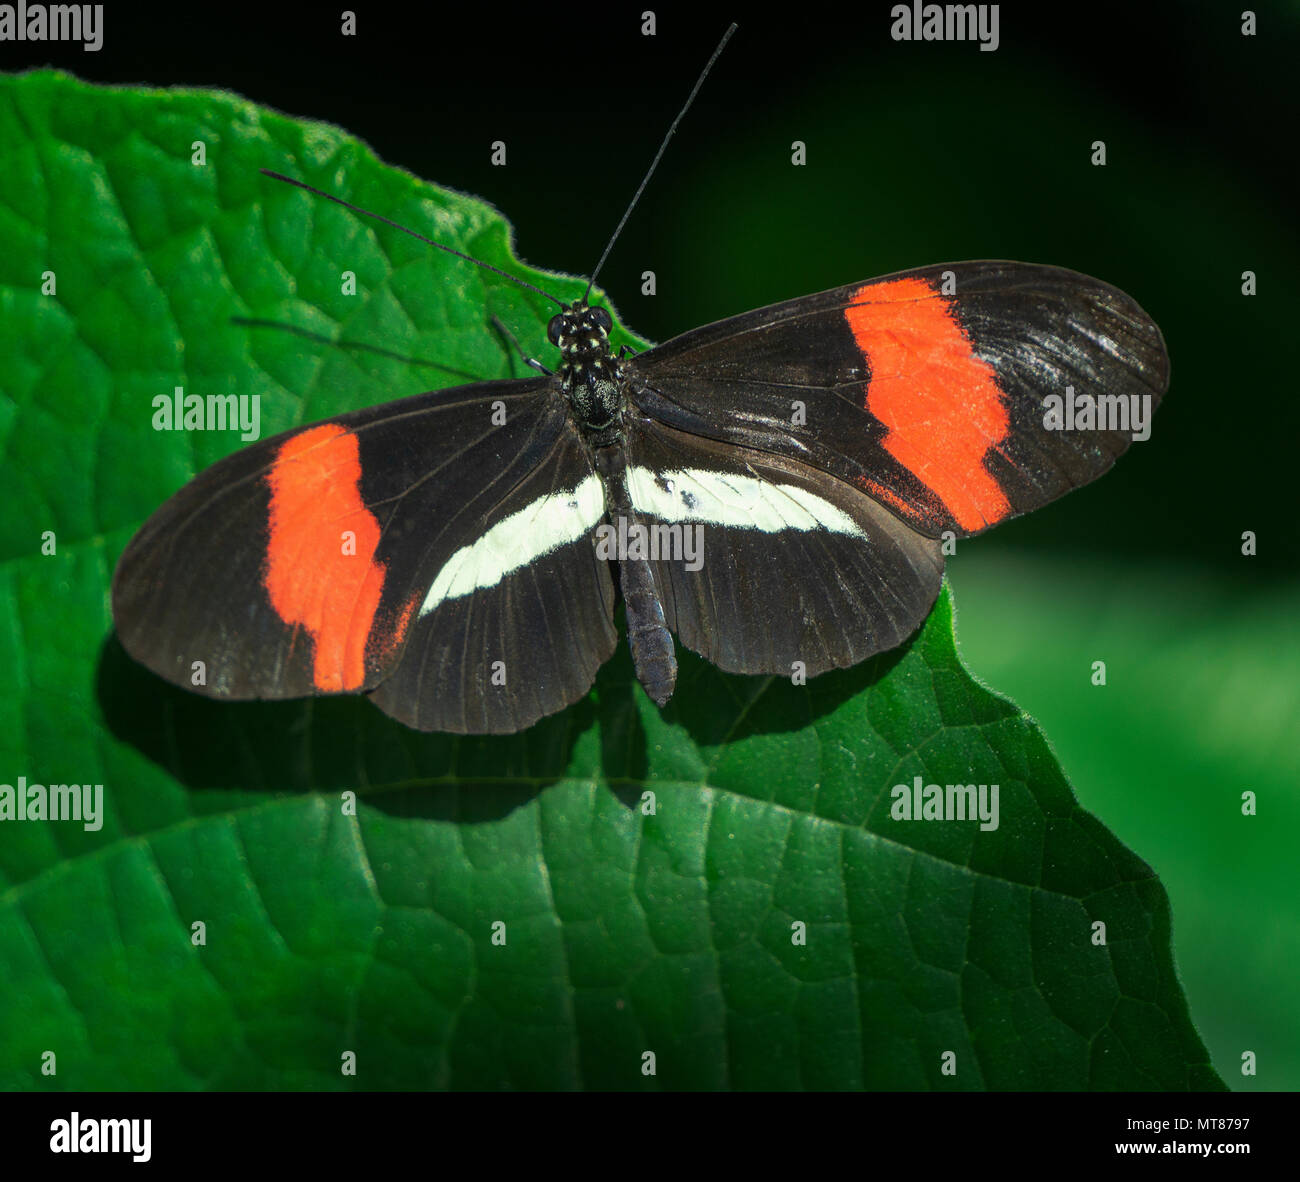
(921, 153)
(917, 153)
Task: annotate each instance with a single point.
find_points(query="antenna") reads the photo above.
(379, 217)
(321, 339)
(690, 98)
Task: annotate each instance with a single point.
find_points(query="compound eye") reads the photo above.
(602, 319)
(555, 327)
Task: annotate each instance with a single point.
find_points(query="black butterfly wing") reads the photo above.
(794, 573)
(925, 389)
(304, 564)
(516, 622)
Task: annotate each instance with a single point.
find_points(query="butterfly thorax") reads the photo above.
(590, 374)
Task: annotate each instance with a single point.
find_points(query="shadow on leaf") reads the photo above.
(331, 744)
(334, 744)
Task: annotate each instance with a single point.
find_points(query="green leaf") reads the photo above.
(768, 924)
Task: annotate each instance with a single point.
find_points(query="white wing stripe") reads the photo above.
(728, 498)
(538, 528)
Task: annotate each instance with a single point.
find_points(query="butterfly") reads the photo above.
(774, 490)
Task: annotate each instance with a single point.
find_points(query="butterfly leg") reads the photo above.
(531, 362)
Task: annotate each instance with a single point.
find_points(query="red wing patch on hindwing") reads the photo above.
(940, 404)
(316, 575)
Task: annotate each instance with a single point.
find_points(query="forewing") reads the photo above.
(300, 565)
(926, 389)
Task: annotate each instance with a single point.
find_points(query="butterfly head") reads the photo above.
(588, 369)
(580, 332)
